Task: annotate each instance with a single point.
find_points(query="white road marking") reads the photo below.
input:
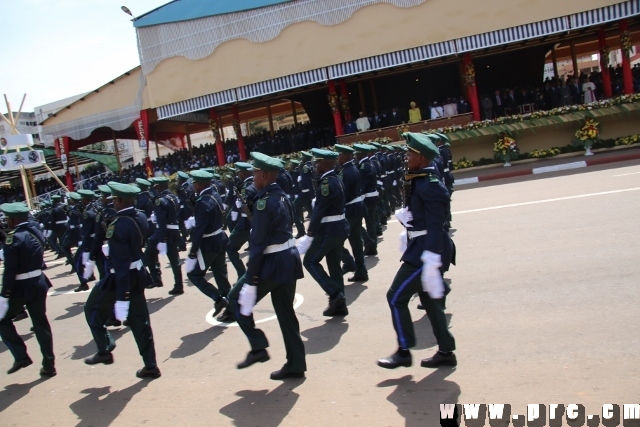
(464, 181)
(625, 174)
(547, 201)
(557, 168)
(212, 321)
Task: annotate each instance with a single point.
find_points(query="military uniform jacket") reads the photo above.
(305, 182)
(219, 188)
(88, 228)
(75, 215)
(23, 253)
(284, 182)
(294, 183)
(272, 223)
(144, 204)
(429, 205)
(352, 190)
(58, 215)
(126, 234)
(103, 219)
(368, 177)
(248, 192)
(330, 202)
(166, 209)
(185, 194)
(208, 212)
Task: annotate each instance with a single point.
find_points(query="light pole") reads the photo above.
(126, 10)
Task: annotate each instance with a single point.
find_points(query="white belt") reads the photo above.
(92, 235)
(29, 275)
(383, 175)
(212, 234)
(306, 191)
(181, 206)
(244, 215)
(72, 227)
(414, 234)
(332, 218)
(271, 249)
(446, 170)
(136, 265)
(372, 194)
(173, 227)
(356, 200)
(62, 222)
(379, 183)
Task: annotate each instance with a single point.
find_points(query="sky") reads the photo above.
(55, 49)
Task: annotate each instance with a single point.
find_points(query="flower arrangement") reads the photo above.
(462, 164)
(213, 125)
(237, 130)
(540, 154)
(344, 103)
(605, 56)
(587, 135)
(625, 42)
(332, 98)
(505, 149)
(628, 140)
(469, 75)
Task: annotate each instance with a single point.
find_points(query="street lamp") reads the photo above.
(126, 10)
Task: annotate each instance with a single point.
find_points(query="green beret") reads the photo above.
(104, 189)
(86, 194)
(232, 169)
(183, 175)
(243, 166)
(143, 183)
(295, 162)
(217, 176)
(442, 136)
(56, 198)
(388, 147)
(125, 191)
(201, 176)
(320, 154)
(262, 162)
(421, 144)
(343, 149)
(307, 154)
(159, 180)
(74, 196)
(15, 210)
(209, 170)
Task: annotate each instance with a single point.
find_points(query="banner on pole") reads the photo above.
(11, 141)
(29, 159)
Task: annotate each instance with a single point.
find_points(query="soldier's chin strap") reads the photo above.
(410, 176)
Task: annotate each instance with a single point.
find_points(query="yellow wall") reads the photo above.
(373, 30)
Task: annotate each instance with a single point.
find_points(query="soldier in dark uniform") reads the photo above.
(447, 160)
(57, 224)
(368, 180)
(166, 239)
(144, 201)
(84, 266)
(274, 267)
(208, 242)
(294, 173)
(185, 195)
(72, 235)
(103, 218)
(24, 284)
(231, 198)
(241, 213)
(355, 212)
(427, 256)
(328, 229)
(306, 192)
(122, 291)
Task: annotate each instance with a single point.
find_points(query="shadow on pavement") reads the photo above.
(263, 408)
(25, 337)
(419, 402)
(14, 392)
(326, 336)
(155, 304)
(74, 310)
(64, 289)
(96, 412)
(424, 332)
(353, 291)
(90, 348)
(195, 343)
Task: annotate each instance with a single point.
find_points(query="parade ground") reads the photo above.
(543, 308)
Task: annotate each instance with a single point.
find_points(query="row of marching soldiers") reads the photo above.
(339, 189)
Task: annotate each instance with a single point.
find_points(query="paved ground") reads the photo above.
(544, 310)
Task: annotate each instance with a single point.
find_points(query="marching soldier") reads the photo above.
(88, 230)
(71, 236)
(355, 212)
(104, 216)
(166, 239)
(24, 284)
(368, 180)
(144, 201)
(122, 291)
(241, 215)
(274, 267)
(306, 192)
(427, 256)
(57, 224)
(328, 229)
(185, 195)
(208, 242)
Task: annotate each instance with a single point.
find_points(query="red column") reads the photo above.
(238, 129)
(65, 142)
(344, 101)
(604, 63)
(469, 76)
(627, 79)
(334, 103)
(213, 124)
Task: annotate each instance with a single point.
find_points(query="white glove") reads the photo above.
(1, 254)
(431, 277)
(153, 218)
(238, 204)
(303, 244)
(4, 306)
(395, 182)
(234, 216)
(224, 207)
(105, 249)
(403, 241)
(295, 197)
(247, 299)
(190, 223)
(405, 216)
(191, 264)
(85, 257)
(299, 178)
(79, 244)
(41, 225)
(47, 233)
(88, 269)
(313, 203)
(162, 248)
(121, 310)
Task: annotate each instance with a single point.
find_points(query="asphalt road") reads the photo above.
(544, 309)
